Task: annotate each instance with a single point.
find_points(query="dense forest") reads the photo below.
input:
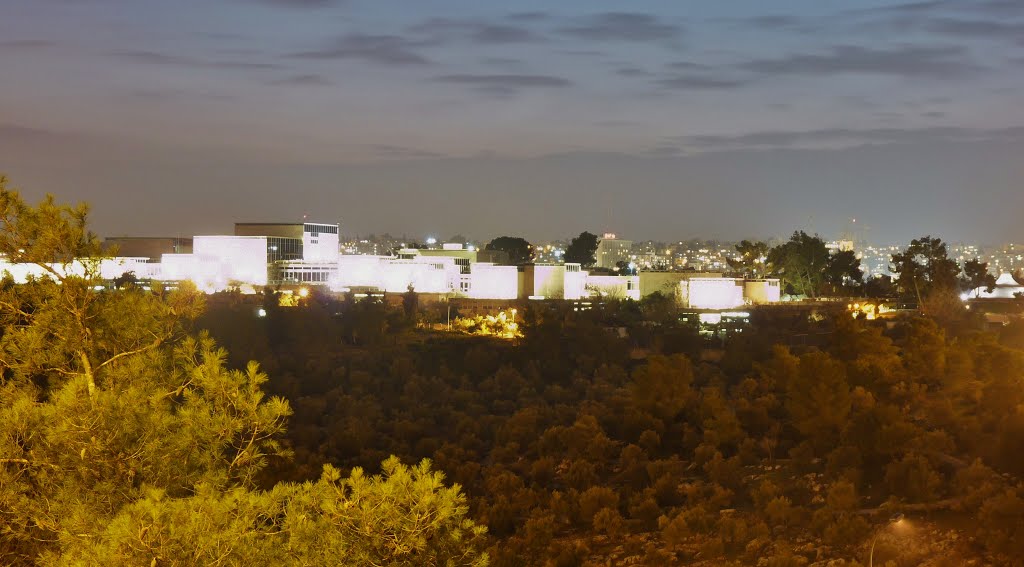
(582, 444)
(157, 427)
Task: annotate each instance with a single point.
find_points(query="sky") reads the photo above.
(652, 119)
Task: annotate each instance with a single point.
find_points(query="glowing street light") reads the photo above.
(896, 521)
(304, 292)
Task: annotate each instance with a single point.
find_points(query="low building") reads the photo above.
(711, 293)
(613, 287)
(762, 291)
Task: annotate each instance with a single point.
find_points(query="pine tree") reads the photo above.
(127, 440)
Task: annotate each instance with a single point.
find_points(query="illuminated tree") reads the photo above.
(127, 440)
(818, 398)
(406, 516)
(751, 260)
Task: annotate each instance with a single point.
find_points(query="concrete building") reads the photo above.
(762, 292)
(490, 281)
(613, 287)
(151, 247)
(667, 283)
(612, 250)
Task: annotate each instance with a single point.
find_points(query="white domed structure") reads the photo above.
(1006, 288)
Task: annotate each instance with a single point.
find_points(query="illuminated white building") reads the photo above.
(489, 281)
(698, 292)
(712, 293)
(614, 287)
(1006, 288)
(763, 291)
(106, 268)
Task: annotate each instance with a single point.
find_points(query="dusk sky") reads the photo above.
(660, 120)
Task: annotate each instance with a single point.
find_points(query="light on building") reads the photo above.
(303, 292)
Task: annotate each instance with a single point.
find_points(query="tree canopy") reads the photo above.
(977, 276)
(519, 250)
(801, 262)
(581, 250)
(924, 268)
(751, 260)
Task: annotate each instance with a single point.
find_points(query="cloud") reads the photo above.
(505, 84)
(630, 71)
(624, 26)
(700, 82)
(990, 7)
(157, 58)
(301, 4)
(443, 30)
(847, 137)
(19, 44)
(687, 66)
(310, 80)
(905, 8)
(380, 49)
(774, 22)
(17, 133)
(905, 61)
(981, 29)
(388, 151)
(528, 16)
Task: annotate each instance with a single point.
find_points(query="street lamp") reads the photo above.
(895, 521)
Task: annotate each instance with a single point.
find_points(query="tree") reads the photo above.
(842, 271)
(406, 516)
(924, 268)
(879, 286)
(581, 250)
(518, 249)
(802, 262)
(121, 425)
(977, 276)
(818, 398)
(751, 259)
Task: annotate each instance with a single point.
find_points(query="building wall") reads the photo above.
(488, 281)
(712, 293)
(147, 247)
(611, 251)
(614, 287)
(545, 280)
(106, 268)
(760, 292)
(223, 260)
(320, 242)
(667, 283)
(575, 284)
(281, 229)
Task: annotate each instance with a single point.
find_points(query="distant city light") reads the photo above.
(431, 240)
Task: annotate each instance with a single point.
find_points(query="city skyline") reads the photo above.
(729, 121)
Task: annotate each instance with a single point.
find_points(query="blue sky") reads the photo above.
(652, 119)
